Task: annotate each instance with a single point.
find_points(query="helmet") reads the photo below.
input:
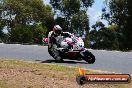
(57, 30)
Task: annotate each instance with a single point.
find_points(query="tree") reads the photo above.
(80, 23)
(62, 22)
(68, 9)
(74, 15)
(25, 13)
(103, 37)
(121, 15)
(97, 35)
(1, 33)
(21, 34)
(38, 33)
(80, 26)
(114, 37)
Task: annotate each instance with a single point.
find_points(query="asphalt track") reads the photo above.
(112, 61)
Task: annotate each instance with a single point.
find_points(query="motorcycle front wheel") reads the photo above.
(89, 57)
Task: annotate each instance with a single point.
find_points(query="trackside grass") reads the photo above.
(23, 74)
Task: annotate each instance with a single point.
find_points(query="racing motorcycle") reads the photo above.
(72, 48)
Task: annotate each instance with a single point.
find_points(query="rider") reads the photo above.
(53, 44)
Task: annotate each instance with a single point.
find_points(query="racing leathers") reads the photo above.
(53, 44)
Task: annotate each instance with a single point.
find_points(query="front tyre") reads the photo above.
(89, 57)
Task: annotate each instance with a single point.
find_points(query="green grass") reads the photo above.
(3, 84)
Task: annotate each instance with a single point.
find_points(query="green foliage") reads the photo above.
(58, 4)
(113, 28)
(80, 22)
(121, 15)
(39, 32)
(28, 34)
(21, 34)
(3, 36)
(87, 3)
(26, 11)
(87, 40)
(98, 25)
(1, 32)
(70, 10)
(104, 38)
(22, 17)
(62, 22)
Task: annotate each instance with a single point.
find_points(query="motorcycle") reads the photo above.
(72, 48)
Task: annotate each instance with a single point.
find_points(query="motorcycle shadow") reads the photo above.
(65, 61)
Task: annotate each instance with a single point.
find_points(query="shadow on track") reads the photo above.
(66, 62)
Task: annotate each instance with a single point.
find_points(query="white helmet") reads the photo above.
(57, 30)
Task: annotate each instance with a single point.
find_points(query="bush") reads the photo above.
(38, 33)
(21, 34)
(31, 34)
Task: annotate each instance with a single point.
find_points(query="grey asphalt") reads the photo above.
(112, 61)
